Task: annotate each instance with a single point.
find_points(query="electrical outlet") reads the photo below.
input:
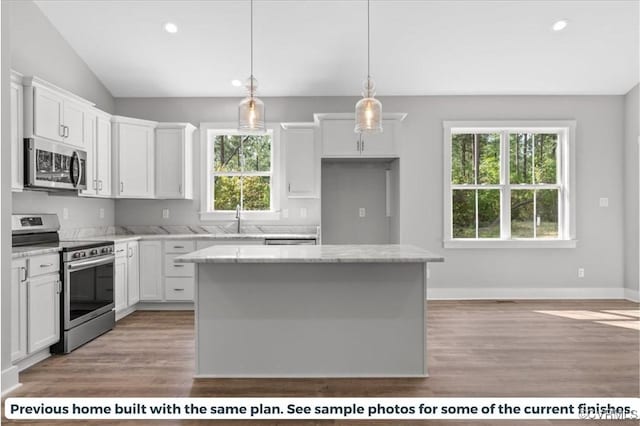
(580, 272)
(362, 212)
(165, 213)
(285, 213)
(604, 202)
(101, 213)
(65, 213)
(303, 212)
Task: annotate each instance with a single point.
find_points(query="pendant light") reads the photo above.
(251, 109)
(368, 109)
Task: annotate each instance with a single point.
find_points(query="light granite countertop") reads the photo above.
(225, 236)
(358, 253)
(27, 251)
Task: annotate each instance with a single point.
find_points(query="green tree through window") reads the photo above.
(241, 172)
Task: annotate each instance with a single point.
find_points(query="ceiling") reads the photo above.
(318, 48)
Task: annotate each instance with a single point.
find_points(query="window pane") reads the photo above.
(257, 153)
(489, 213)
(521, 158)
(226, 192)
(463, 203)
(462, 159)
(227, 153)
(489, 158)
(545, 162)
(256, 191)
(521, 213)
(547, 213)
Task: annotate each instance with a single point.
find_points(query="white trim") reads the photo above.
(632, 295)
(33, 359)
(34, 81)
(525, 293)
(135, 121)
(510, 244)
(277, 172)
(125, 312)
(165, 306)
(10, 380)
(566, 175)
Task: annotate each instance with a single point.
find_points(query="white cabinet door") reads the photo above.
(90, 148)
(103, 155)
(151, 270)
(133, 273)
(301, 163)
(17, 143)
(120, 282)
(18, 309)
(380, 144)
(135, 161)
(47, 114)
(73, 119)
(339, 139)
(43, 312)
(169, 163)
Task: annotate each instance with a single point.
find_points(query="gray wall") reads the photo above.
(632, 132)
(5, 199)
(37, 48)
(599, 145)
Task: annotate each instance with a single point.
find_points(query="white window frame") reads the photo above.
(206, 156)
(566, 130)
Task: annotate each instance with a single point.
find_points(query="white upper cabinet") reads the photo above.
(133, 152)
(97, 139)
(339, 140)
(17, 145)
(302, 163)
(54, 113)
(174, 160)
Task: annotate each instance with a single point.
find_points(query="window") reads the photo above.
(238, 171)
(507, 184)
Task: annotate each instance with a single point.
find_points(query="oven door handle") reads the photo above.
(90, 263)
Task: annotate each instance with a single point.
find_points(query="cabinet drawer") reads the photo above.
(179, 289)
(45, 264)
(179, 246)
(172, 269)
(120, 249)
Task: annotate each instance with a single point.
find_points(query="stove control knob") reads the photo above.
(83, 254)
(105, 250)
(93, 252)
(76, 255)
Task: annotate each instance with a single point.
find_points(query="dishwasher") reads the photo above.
(290, 242)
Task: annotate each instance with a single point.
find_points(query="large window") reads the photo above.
(508, 183)
(239, 172)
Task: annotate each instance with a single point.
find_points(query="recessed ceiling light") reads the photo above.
(171, 28)
(236, 83)
(560, 25)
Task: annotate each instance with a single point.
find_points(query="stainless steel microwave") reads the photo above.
(53, 165)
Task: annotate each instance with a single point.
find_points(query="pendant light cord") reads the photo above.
(368, 41)
(251, 76)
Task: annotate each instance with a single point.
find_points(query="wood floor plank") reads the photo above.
(475, 349)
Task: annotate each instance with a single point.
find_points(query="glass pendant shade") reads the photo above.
(251, 109)
(368, 110)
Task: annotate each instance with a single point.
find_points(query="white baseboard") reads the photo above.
(164, 306)
(124, 312)
(633, 295)
(10, 381)
(33, 359)
(441, 293)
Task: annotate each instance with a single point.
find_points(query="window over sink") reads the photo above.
(239, 170)
(509, 184)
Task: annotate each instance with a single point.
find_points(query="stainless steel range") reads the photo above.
(87, 298)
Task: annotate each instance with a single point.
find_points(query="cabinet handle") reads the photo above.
(121, 187)
(361, 145)
(24, 271)
(59, 287)
(178, 289)
(130, 252)
(100, 185)
(358, 145)
(180, 189)
(289, 188)
(66, 131)
(61, 130)
(46, 265)
(178, 247)
(178, 266)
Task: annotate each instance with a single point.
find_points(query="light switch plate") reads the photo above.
(362, 212)
(165, 213)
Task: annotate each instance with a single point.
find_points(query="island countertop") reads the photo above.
(357, 253)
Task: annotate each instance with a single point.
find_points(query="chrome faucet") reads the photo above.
(238, 216)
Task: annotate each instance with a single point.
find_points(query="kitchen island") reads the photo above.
(311, 311)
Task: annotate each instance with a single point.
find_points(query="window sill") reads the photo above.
(510, 244)
(244, 216)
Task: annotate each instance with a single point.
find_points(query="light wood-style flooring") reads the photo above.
(475, 349)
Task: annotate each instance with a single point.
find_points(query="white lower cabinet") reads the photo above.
(151, 271)
(126, 277)
(35, 305)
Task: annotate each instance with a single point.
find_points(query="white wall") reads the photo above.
(37, 48)
(478, 273)
(631, 134)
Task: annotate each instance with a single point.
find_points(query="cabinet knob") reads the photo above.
(24, 271)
